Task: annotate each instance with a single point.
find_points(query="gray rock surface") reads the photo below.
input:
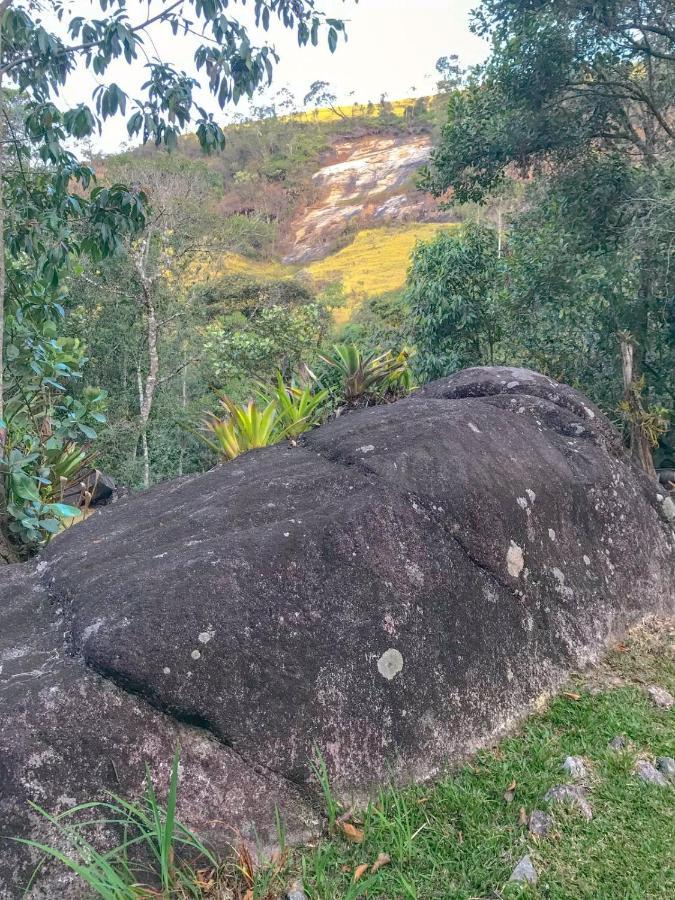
(399, 589)
(296, 892)
(660, 696)
(574, 795)
(525, 872)
(539, 823)
(649, 774)
(618, 743)
(576, 767)
(666, 765)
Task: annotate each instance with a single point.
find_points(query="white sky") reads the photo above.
(392, 48)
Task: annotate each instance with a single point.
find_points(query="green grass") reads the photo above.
(459, 838)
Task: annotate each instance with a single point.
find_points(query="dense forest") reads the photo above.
(156, 319)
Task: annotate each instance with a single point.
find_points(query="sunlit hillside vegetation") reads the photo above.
(401, 108)
(373, 264)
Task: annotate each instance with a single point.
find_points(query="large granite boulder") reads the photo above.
(397, 590)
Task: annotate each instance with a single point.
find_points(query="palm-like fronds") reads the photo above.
(244, 428)
(365, 373)
(299, 408)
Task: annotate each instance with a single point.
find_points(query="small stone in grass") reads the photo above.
(666, 765)
(525, 872)
(539, 823)
(661, 696)
(296, 892)
(618, 743)
(576, 767)
(571, 793)
(646, 771)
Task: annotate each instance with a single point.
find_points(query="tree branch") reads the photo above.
(87, 45)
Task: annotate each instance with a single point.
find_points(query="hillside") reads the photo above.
(327, 196)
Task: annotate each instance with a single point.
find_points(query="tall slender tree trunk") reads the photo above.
(183, 399)
(6, 552)
(147, 387)
(641, 450)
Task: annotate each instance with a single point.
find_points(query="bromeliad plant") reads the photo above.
(364, 374)
(244, 428)
(284, 411)
(299, 407)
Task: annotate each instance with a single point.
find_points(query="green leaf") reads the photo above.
(24, 486)
(87, 431)
(53, 526)
(64, 510)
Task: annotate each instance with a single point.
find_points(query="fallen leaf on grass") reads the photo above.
(522, 816)
(360, 871)
(353, 834)
(382, 860)
(510, 792)
(572, 695)
(622, 647)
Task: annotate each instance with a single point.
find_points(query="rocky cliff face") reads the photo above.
(365, 181)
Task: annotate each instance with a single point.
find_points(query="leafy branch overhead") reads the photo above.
(40, 61)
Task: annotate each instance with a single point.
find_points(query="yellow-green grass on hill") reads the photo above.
(354, 110)
(376, 262)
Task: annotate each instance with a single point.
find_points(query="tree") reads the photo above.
(321, 95)
(567, 81)
(454, 298)
(37, 62)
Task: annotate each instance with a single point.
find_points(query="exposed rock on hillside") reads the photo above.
(398, 590)
(370, 179)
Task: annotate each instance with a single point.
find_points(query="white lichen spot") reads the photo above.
(531, 494)
(512, 384)
(367, 448)
(522, 502)
(587, 560)
(196, 654)
(205, 636)
(414, 573)
(390, 663)
(551, 534)
(287, 534)
(514, 560)
(475, 428)
(668, 507)
(558, 575)
(589, 412)
(91, 629)
(166, 670)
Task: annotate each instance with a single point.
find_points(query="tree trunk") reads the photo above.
(641, 450)
(146, 390)
(183, 398)
(6, 551)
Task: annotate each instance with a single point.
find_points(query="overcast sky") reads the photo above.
(392, 48)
